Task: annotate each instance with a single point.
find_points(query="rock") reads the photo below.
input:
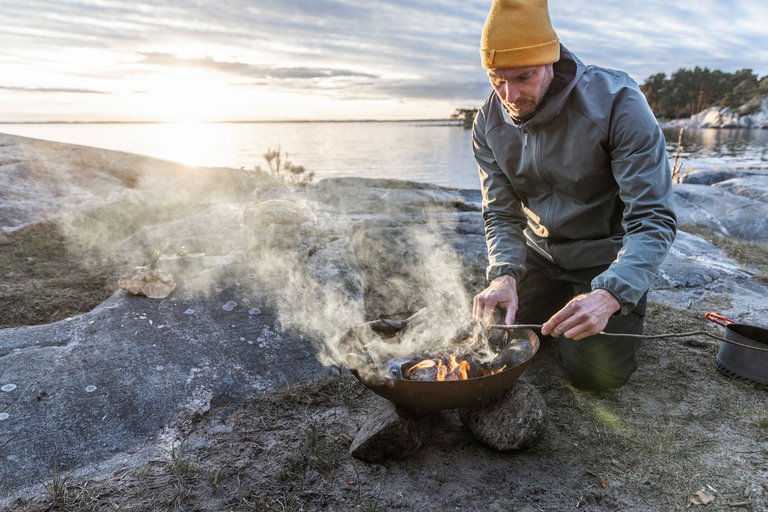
(751, 186)
(151, 283)
(514, 421)
(385, 436)
(753, 114)
(726, 213)
(152, 363)
(693, 262)
(275, 211)
(707, 176)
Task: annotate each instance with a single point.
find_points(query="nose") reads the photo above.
(510, 93)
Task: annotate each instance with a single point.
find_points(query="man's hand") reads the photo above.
(501, 292)
(583, 316)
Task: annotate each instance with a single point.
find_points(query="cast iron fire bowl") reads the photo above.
(429, 396)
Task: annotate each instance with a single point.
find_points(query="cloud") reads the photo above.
(250, 70)
(51, 89)
(420, 50)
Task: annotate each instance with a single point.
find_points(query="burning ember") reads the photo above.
(441, 368)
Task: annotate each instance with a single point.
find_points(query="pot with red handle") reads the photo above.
(739, 360)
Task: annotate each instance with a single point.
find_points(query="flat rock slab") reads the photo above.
(105, 383)
(726, 213)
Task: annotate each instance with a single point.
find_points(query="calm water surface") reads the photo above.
(418, 151)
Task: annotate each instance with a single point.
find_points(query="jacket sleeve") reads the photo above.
(641, 170)
(503, 217)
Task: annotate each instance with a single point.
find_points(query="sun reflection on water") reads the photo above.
(191, 143)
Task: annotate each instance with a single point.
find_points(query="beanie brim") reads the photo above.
(547, 53)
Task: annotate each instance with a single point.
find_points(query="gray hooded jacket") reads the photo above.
(585, 181)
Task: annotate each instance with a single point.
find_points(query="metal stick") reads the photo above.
(641, 336)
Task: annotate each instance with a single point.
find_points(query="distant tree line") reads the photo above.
(689, 91)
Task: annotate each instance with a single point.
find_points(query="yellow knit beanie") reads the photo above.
(518, 33)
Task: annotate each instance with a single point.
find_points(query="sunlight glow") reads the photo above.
(181, 96)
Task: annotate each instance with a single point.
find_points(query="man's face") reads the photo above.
(521, 89)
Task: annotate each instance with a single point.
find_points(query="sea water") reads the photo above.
(435, 152)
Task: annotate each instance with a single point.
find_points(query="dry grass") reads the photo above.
(44, 281)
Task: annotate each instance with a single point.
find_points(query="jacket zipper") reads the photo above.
(536, 162)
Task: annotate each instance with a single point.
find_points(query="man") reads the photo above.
(576, 195)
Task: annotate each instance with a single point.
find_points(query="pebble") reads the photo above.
(254, 311)
(229, 306)
(90, 389)
(4, 416)
(8, 388)
(190, 311)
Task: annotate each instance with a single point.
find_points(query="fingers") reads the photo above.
(509, 318)
(501, 293)
(583, 316)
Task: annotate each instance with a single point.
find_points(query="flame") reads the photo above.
(422, 365)
(448, 368)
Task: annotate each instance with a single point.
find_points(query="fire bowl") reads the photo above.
(426, 396)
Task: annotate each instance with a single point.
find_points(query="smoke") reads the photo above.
(331, 275)
(331, 256)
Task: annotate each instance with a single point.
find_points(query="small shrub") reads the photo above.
(280, 166)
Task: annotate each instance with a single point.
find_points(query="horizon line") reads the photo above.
(252, 121)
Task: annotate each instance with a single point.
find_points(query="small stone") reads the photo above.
(4, 416)
(189, 311)
(254, 311)
(386, 436)
(514, 421)
(229, 306)
(90, 389)
(8, 388)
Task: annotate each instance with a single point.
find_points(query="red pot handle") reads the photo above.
(718, 319)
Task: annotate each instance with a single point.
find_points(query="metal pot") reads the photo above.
(425, 396)
(739, 360)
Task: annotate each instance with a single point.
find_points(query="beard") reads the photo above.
(525, 106)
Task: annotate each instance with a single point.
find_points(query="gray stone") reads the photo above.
(385, 436)
(751, 186)
(726, 213)
(514, 421)
(706, 176)
(108, 383)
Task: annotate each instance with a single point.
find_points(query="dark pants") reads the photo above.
(594, 363)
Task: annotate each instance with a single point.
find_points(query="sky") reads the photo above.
(238, 60)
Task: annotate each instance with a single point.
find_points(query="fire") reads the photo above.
(447, 368)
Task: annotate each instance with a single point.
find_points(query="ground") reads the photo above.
(678, 427)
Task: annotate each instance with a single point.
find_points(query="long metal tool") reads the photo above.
(641, 336)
